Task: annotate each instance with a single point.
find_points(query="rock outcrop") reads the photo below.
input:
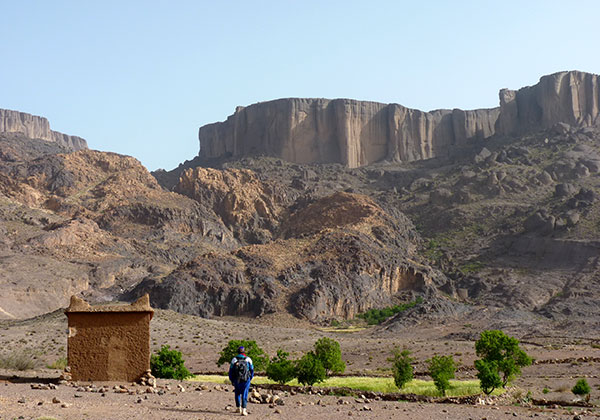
(247, 206)
(358, 133)
(36, 127)
(565, 97)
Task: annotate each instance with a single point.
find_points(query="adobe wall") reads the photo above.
(108, 343)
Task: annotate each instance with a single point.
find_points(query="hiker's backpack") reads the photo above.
(241, 370)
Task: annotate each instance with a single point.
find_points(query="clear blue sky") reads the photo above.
(140, 77)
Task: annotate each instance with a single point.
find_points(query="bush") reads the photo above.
(60, 363)
(377, 316)
(329, 353)
(17, 361)
(402, 367)
(258, 356)
(505, 353)
(441, 369)
(281, 370)
(581, 388)
(310, 370)
(168, 364)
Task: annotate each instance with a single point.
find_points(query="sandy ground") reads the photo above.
(562, 359)
(20, 401)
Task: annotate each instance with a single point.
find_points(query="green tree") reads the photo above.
(504, 351)
(281, 370)
(581, 388)
(168, 364)
(310, 370)
(402, 367)
(258, 356)
(487, 373)
(441, 369)
(328, 351)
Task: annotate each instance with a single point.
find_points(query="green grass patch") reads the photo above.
(377, 316)
(472, 267)
(342, 328)
(60, 364)
(374, 384)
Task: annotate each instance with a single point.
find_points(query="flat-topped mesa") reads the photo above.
(36, 127)
(354, 133)
(358, 133)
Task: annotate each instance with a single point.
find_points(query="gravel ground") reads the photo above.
(211, 401)
(566, 356)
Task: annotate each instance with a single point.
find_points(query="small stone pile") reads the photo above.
(44, 386)
(147, 379)
(256, 397)
(65, 376)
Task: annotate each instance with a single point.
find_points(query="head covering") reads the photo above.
(241, 349)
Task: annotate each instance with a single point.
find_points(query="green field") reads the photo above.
(374, 384)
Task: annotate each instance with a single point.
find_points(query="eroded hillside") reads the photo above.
(503, 227)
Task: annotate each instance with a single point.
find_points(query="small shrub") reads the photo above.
(281, 370)
(472, 267)
(581, 388)
(310, 370)
(17, 361)
(328, 351)
(60, 363)
(545, 390)
(402, 367)
(441, 369)
(168, 364)
(253, 351)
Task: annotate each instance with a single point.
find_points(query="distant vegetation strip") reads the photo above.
(458, 388)
(377, 316)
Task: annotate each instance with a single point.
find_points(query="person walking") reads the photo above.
(241, 372)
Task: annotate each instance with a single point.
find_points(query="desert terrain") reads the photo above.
(559, 362)
(297, 217)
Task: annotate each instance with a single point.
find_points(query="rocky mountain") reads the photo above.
(504, 225)
(357, 133)
(34, 127)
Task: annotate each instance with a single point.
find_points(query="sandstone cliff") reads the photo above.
(36, 128)
(357, 133)
(567, 97)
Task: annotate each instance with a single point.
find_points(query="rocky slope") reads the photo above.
(358, 258)
(358, 133)
(506, 231)
(225, 243)
(514, 225)
(93, 223)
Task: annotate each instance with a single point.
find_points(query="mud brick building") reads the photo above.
(109, 343)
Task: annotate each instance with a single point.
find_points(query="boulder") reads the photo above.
(564, 190)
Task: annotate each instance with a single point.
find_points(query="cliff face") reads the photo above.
(345, 131)
(36, 128)
(357, 133)
(568, 97)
